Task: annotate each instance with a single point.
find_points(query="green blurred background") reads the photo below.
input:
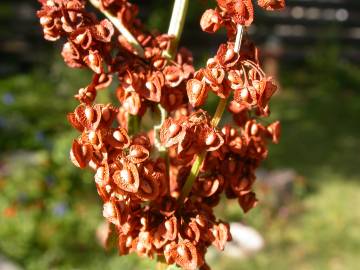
(309, 188)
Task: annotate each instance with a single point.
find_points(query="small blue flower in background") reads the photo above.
(8, 99)
(60, 209)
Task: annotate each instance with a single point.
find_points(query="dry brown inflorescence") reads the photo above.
(141, 184)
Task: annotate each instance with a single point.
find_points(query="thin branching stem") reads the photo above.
(121, 28)
(195, 169)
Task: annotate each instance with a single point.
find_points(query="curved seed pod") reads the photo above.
(171, 132)
(234, 79)
(88, 116)
(238, 145)
(80, 154)
(221, 234)
(138, 154)
(72, 56)
(226, 55)
(111, 213)
(173, 98)
(197, 92)
(148, 189)
(103, 32)
(143, 140)
(168, 229)
(127, 178)
(248, 201)
(208, 186)
(102, 175)
(274, 130)
(132, 103)
(191, 231)
(210, 21)
(118, 138)
(173, 76)
(108, 115)
(185, 255)
(241, 12)
(214, 74)
(86, 95)
(212, 139)
(153, 87)
(75, 122)
(94, 61)
(142, 244)
(241, 184)
(266, 88)
(101, 81)
(82, 37)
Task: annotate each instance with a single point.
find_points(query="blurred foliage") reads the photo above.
(50, 211)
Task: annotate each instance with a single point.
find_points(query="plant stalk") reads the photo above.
(176, 26)
(195, 169)
(122, 29)
(175, 30)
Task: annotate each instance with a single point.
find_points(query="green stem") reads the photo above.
(176, 26)
(122, 29)
(133, 124)
(195, 169)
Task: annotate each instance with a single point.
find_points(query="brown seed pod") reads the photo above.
(171, 132)
(210, 21)
(101, 81)
(86, 95)
(103, 32)
(102, 175)
(82, 37)
(197, 92)
(108, 115)
(110, 212)
(148, 189)
(118, 138)
(137, 154)
(72, 56)
(143, 140)
(190, 230)
(94, 61)
(240, 12)
(173, 76)
(274, 130)
(169, 228)
(248, 201)
(80, 154)
(212, 139)
(127, 177)
(153, 87)
(226, 55)
(185, 255)
(221, 234)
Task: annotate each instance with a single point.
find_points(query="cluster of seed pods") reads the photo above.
(140, 175)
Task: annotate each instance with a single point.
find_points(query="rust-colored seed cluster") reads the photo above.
(141, 190)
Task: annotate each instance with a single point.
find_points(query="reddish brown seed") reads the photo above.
(105, 112)
(181, 251)
(118, 136)
(254, 129)
(126, 175)
(93, 137)
(174, 130)
(210, 139)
